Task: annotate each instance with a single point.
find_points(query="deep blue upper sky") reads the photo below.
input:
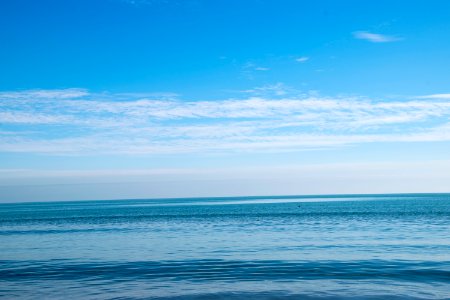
(201, 48)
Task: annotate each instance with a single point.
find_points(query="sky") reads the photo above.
(121, 99)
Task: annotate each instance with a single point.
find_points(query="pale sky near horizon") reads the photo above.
(113, 99)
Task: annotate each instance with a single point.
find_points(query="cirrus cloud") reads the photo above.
(375, 37)
(80, 122)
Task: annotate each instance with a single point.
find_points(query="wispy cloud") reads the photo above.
(250, 69)
(45, 94)
(18, 117)
(146, 2)
(278, 89)
(302, 59)
(374, 37)
(435, 96)
(269, 119)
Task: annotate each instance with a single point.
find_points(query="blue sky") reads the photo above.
(131, 99)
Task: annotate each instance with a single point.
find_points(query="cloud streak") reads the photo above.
(77, 122)
(302, 59)
(436, 96)
(374, 37)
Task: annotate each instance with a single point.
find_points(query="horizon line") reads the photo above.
(250, 197)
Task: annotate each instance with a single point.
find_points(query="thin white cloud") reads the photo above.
(302, 59)
(435, 96)
(249, 70)
(374, 37)
(145, 2)
(12, 117)
(269, 120)
(122, 144)
(278, 89)
(45, 94)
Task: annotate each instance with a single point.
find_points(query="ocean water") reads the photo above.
(334, 247)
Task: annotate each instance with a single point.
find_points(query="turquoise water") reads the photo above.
(334, 247)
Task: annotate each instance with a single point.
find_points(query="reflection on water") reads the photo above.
(230, 248)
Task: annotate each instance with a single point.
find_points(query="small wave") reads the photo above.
(283, 296)
(225, 270)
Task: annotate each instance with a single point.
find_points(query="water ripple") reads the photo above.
(227, 270)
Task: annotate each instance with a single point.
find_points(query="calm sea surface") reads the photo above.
(335, 247)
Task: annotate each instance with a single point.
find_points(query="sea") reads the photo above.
(277, 247)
